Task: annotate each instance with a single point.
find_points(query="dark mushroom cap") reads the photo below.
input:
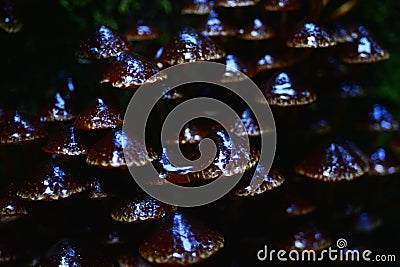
(108, 152)
(282, 5)
(364, 50)
(195, 130)
(130, 260)
(280, 90)
(67, 142)
(264, 181)
(180, 241)
(96, 191)
(131, 71)
(334, 162)
(350, 89)
(9, 20)
(250, 123)
(273, 61)
(98, 116)
(142, 208)
(18, 130)
(59, 109)
(294, 204)
(197, 7)
(256, 30)
(306, 237)
(11, 206)
(235, 70)
(189, 46)
(235, 3)
(52, 180)
(381, 120)
(346, 33)
(310, 35)
(367, 222)
(102, 44)
(383, 163)
(214, 26)
(142, 32)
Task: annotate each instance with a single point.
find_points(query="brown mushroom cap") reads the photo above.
(310, 35)
(102, 44)
(256, 30)
(250, 123)
(294, 204)
(197, 7)
(383, 163)
(142, 32)
(307, 237)
(142, 208)
(346, 33)
(367, 222)
(335, 162)
(189, 46)
(11, 207)
(214, 26)
(108, 152)
(96, 191)
(67, 142)
(273, 61)
(18, 130)
(235, 3)
(282, 5)
(52, 180)
(381, 120)
(235, 70)
(280, 90)
(9, 21)
(180, 241)
(364, 50)
(98, 116)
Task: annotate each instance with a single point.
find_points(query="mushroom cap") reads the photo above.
(180, 241)
(67, 142)
(189, 46)
(294, 204)
(381, 120)
(256, 30)
(9, 20)
(19, 130)
(96, 191)
(250, 123)
(11, 206)
(142, 32)
(307, 237)
(60, 109)
(98, 116)
(142, 208)
(383, 163)
(350, 89)
(214, 26)
(273, 61)
(347, 33)
(103, 43)
(235, 3)
(367, 222)
(334, 162)
(281, 91)
(310, 35)
(235, 70)
(364, 50)
(116, 150)
(197, 7)
(52, 180)
(282, 5)
(131, 70)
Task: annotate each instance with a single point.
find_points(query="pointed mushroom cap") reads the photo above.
(96, 191)
(103, 43)
(383, 163)
(98, 116)
(11, 206)
(9, 22)
(52, 180)
(67, 142)
(116, 150)
(310, 35)
(235, 70)
(281, 91)
(180, 241)
(282, 5)
(250, 123)
(307, 237)
(142, 208)
(364, 50)
(214, 26)
(142, 32)
(235, 3)
(295, 204)
(18, 130)
(273, 61)
(59, 110)
(189, 46)
(197, 7)
(256, 30)
(335, 162)
(381, 120)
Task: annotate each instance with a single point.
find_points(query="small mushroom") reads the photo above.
(257, 30)
(11, 207)
(142, 32)
(382, 163)
(9, 20)
(273, 61)
(180, 241)
(310, 35)
(235, 70)
(381, 120)
(214, 26)
(250, 123)
(364, 50)
(235, 3)
(197, 7)
(96, 191)
(282, 5)
(367, 222)
(295, 204)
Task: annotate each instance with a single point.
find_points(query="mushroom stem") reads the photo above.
(284, 26)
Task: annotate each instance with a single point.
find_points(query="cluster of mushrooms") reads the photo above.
(71, 201)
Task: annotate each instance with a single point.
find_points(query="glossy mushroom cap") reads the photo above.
(96, 191)
(197, 7)
(273, 61)
(116, 150)
(235, 70)
(52, 180)
(381, 120)
(334, 162)
(131, 70)
(104, 43)
(383, 163)
(256, 30)
(19, 130)
(180, 241)
(142, 32)
(235, 3)
(189, 46)
(9, 21)
(98, 116)
(307, 237)
(250, 123)
(140, 209)
(364, 50)
(310, 35)
(67, 142)
(11, 206)
(214, 26)
(282, 5)
(295, 204)
(280, 90)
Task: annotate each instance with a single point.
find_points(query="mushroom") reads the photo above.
(235, 3)
(235, 70)
(282, 5)
(367, 222)
(11, 207)
(142, 32)
(310, 35)
(96, 190)
(215, 27)
(9, 21)
(180, 241)
(255, 31)
(382, 163)
(294, 204)
(381, 120)
(197, 7)
(364, 50)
